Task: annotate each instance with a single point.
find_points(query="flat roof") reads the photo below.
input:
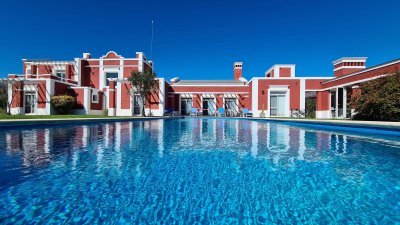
(210, 82)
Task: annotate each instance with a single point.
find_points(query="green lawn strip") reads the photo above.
(13, 117)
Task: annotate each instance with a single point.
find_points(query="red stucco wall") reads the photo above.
(294, 86)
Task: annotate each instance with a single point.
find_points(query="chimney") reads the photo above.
(86, 55)
(347, 65)
(237, 70)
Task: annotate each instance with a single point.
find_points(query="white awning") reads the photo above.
(230, 95)
(208, 95)
(185, 95)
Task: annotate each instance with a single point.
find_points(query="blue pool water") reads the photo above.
(206, 171)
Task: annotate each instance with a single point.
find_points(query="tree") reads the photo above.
(7, 98)
(378, 99)
(144, 83)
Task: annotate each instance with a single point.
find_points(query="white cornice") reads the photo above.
(349, 67)
(289, 78)
(350, 59)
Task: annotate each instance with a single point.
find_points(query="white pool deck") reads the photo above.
(337, 122)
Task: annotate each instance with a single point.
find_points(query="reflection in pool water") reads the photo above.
(197, 170)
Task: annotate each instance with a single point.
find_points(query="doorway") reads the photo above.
(186, 106)
(137, 104)
(208, 107)
(30, 106)
(278, 104)
(231, 106)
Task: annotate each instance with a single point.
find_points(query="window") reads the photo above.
(95, 97)
(28, 70)
(60, 74)
(110, 75)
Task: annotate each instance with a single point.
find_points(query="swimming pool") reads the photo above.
(197, 170)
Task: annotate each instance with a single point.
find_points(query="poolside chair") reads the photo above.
(246, 112)
(194, 112)
(221, 112)
(294, 113)
(302, 113)
(169, 112)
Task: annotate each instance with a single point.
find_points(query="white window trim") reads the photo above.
(95, 93)
(283, 89)
(105, 76)
(56, 71)
(35, 101)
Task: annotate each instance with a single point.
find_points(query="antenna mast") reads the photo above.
(151, 44)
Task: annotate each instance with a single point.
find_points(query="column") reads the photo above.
(111, 98)
(17, 104)
(344, 102)
(337, 103)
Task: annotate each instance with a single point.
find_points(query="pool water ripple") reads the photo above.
(205, 171)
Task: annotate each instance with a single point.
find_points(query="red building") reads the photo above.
(101, 87)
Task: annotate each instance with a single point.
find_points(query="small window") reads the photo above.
(110, 75)
(61, 74)
(95, 97)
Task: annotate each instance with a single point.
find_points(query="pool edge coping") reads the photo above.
(383, 125)
(60, 121)
(344, 123)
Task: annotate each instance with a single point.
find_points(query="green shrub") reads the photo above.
(311, 107)
(63, 104)
(378, 99)
(3, 102)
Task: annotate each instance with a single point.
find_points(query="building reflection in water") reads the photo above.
(109, 142)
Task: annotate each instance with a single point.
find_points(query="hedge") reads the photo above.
(63, 104)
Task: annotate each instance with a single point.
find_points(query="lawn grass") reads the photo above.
(4, 116)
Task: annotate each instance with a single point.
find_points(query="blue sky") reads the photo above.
(202, 39)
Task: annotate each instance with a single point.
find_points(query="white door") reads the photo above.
(278, 104)
(137, 104)
(29, 101)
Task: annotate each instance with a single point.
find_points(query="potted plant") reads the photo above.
(262, 114)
